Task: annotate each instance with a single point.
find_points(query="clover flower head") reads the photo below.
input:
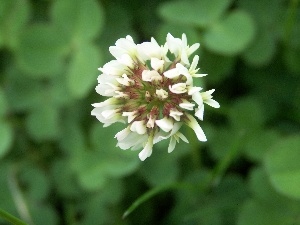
(152, 94)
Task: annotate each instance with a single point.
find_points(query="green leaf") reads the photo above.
(267, 206)
(6, 137)
(64, 179)
(259, 143)
(17, 81)
(292, 59)
(80, 20)
(6, 200)
(118, 24)
(199, 13)
(97, 208)
(177, 31)
(218, 67)
(230, 35)
(253, 212)
(247, 114)
(13, 16)
(83, 71)
(3, 103)
(43, 123)
(262, 50)
(36, 182)
(283, 166)
(263, 12)
(95, 167)
(162, 167)
(41, 49)
(43, 214)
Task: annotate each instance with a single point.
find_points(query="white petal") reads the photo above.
(172, 145)
(150, 75)
(192, 90)
(147, 151)
(126, 60)
(172, 73)
(157, 64)
(200, 112)
(193, 48)
(194, 63)
(182, 137)
(107, 114)
(199, 75)
(182, 70)
(132, 140)
(187, 105)
(175, 114)
(212, 103)
(197, 97)
(178, 88)
(165, 124)
(131, 115)
(184, 58)
(110, 101)
(192, 122)
(123, 134)
(207, 94)
(139, 127)
(161, 94)
(150, 123)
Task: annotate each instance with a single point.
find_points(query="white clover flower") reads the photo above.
(151, 94)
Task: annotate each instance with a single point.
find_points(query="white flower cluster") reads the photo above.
(152, 93)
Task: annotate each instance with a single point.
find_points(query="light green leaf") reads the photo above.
(105, 161)
(261, 51)
(199, 13)
(43, 123)
(38, 186)
(80, 20)
(283, 166)
(231, 35)
(41, 49)
(246, 114)
(83, 70)
(116, 161)
(14, 14)
(17, 81)
(267, 206)
(6, 137)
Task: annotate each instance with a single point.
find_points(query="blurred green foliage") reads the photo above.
(58, 165)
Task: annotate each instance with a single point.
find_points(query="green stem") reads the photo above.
(151, 193)
(223, 164)
(216, 175)
(10, 218)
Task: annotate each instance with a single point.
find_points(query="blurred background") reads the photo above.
(59, 166)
